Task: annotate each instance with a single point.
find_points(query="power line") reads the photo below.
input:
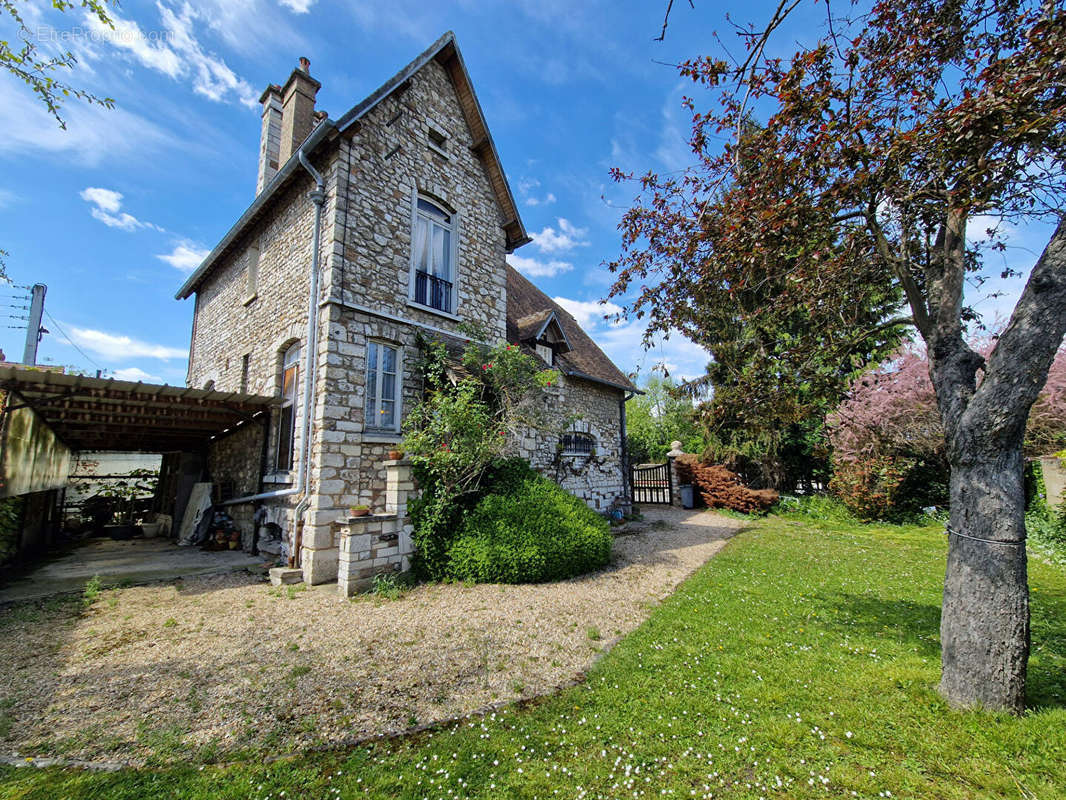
(70, 341)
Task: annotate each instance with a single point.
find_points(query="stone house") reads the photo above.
(391, 221)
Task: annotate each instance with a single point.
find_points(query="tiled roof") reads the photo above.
(528, 308)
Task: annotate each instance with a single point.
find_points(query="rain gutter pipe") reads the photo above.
(303, 465)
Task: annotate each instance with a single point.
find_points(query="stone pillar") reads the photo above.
(675, 483)
(378, 543)
(399, 486)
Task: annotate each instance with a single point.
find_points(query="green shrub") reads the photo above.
(535, 532)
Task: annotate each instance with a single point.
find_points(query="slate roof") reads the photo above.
(528, 308)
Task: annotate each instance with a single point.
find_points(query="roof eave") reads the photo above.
(310, 144)
(573, 373)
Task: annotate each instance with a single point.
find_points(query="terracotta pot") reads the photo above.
(359, 512)
(395, 455)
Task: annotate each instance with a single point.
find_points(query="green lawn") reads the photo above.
(800, 662)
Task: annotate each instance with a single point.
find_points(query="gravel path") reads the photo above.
(216, 664)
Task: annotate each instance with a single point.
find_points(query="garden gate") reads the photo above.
(652, 484)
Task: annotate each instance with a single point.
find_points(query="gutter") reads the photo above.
(626, 490)
(573, 373)
(310, 350)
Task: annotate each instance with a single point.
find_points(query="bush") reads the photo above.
(534, 532)
(889, 455)
(721, 488)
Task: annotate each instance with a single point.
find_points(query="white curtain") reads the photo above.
(421, 244)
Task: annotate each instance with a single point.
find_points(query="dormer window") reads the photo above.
(544, 332)
(433, 256)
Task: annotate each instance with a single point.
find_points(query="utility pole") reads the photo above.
(33, 327)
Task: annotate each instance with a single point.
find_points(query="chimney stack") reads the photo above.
(270, 138)
(297, 109)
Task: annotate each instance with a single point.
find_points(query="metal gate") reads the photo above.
(652, 484)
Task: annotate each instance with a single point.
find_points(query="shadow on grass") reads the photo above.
(906, 621)
(917, 625)
(1046, 684)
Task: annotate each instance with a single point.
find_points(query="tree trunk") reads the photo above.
(984, 626)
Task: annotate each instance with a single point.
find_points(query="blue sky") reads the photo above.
(115, 211)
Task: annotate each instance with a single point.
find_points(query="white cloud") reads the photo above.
(186, 256)
(107, 207)
(589, 314)
(623, 342)
(177, 53)
(94, 134)
(547, 200)
(567, 237)
(297, 6)
(116, 347)
(7, 198)
(136, 374)
(526, 187)
(533, 268)
(674, 151)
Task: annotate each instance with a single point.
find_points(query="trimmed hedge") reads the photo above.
(533, 531)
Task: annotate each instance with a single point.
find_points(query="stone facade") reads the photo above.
(414, 143)
(577, 406)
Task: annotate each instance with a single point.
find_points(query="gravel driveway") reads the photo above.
(214, 665)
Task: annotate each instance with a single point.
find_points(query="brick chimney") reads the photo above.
(270, 138)
(297, 109)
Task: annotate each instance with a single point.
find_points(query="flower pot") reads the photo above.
(395, 455)
(359, 512)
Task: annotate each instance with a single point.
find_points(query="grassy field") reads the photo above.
(800, 662)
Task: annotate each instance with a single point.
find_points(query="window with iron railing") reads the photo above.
(433, 253)
(578, 444)
(433, 291)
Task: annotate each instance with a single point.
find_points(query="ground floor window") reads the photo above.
(382, 386)
(290, 367)
(578, 444)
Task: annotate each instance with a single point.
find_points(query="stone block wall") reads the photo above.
(582, 407)
(387, 163)
(233, 462)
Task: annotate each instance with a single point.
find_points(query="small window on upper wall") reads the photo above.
(438, 141)
(252, 274)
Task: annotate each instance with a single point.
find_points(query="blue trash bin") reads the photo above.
(686, 495)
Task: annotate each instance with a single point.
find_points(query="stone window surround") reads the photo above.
(394, 429)
(271, 473)
(581, 428)
(435, 194)
(251, 286)
(437, 137)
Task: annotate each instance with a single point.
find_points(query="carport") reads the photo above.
(47, 415)
(106, 414)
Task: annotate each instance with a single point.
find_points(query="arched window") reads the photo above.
(433, 252)
(578, 444)
(290, 369)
